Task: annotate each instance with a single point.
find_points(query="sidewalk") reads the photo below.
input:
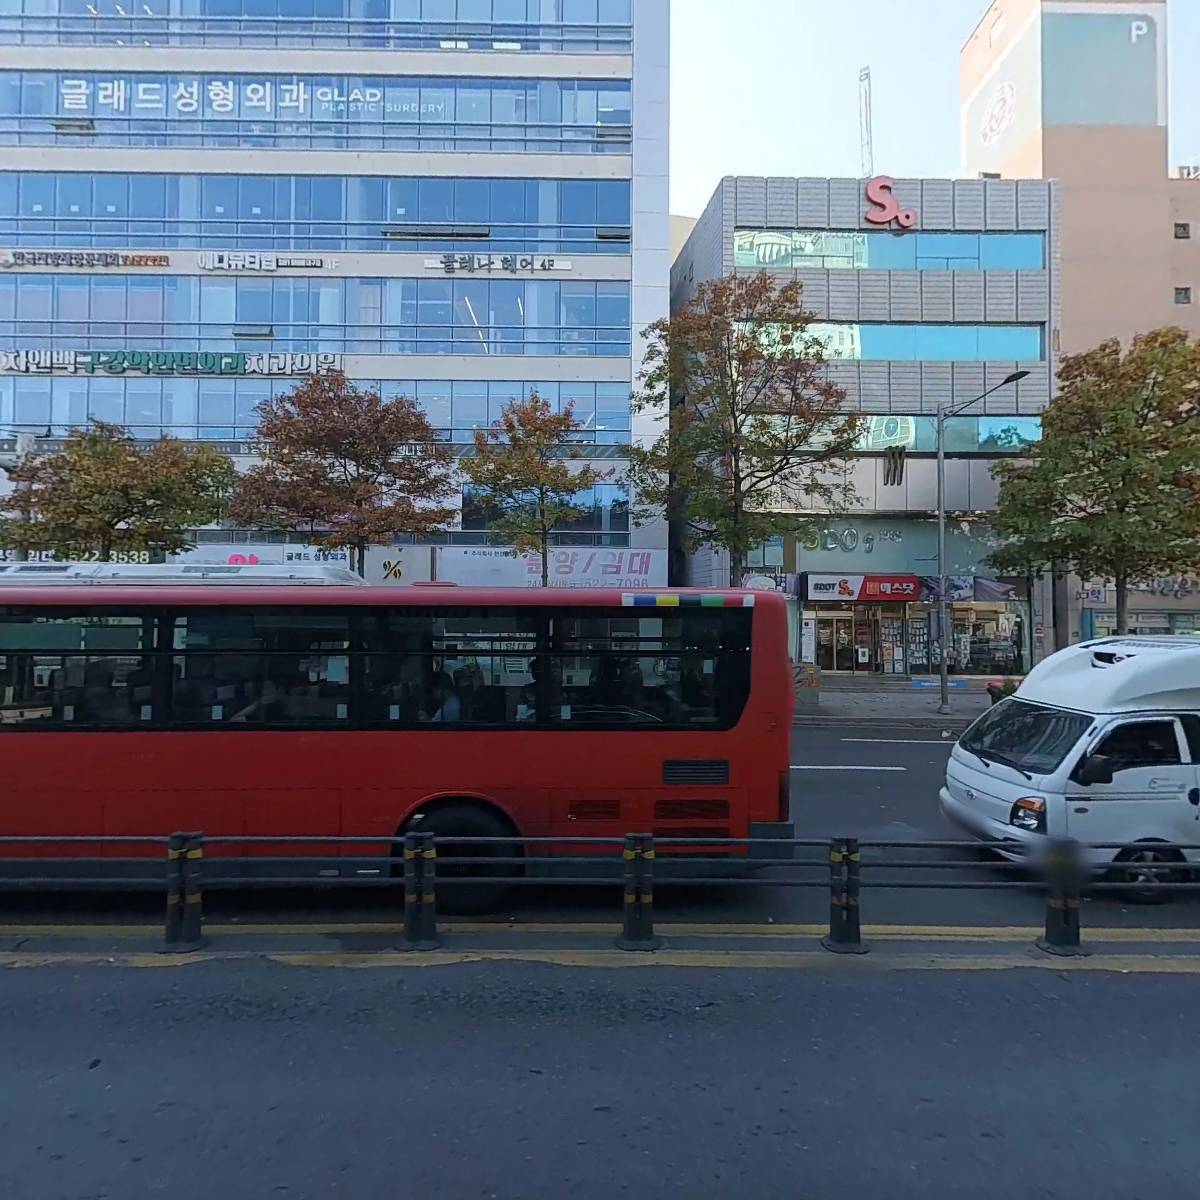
(891, 706)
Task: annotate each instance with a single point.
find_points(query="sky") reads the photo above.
(770, 87)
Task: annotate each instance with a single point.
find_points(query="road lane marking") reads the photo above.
(947, 742)
(808, 768)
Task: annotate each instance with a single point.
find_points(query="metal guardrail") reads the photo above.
(413, 863)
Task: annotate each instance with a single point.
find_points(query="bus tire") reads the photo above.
(468, 819)
(1125, 870)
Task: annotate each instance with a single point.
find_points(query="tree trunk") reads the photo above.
(737, 568)
(105, 550)
(1122, 582)
(1060, 613)
(360, 558)
(545, 548)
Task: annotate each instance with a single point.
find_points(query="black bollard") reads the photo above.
(1064, 884)
(845, 934)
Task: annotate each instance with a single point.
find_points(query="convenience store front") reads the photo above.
(888, 625)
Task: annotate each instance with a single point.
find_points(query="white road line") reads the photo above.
(947, 742)
(806, 768)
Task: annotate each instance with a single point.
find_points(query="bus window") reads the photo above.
(110, 689)
(258, 689)
(688, 669)
(284, 667)
(76, 667)
(450, 667)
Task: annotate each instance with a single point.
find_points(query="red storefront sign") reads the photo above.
(871, 588)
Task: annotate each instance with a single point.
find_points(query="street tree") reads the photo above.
(107, 493)
(1113, 489)
(523, 466)
(346, 467)
(755, 431)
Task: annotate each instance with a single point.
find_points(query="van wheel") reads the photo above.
(1131, 870)
(468, 820)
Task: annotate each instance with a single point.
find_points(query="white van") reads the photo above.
(1101, 743)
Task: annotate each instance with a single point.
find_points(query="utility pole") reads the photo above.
(866, 131)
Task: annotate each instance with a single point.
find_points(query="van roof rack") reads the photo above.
(76, 573)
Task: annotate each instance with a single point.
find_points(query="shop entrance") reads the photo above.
(852, 640)
(864, 639)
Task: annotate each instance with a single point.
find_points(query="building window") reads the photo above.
(904, 342)
(832, 250)
(505, 26)
(302, 212)
(1183, 231)
(1183, 295)
(478, 316)
(316, 112)
(767, 555)
(176, 405)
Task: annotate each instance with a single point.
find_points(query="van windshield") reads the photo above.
(1027, 736)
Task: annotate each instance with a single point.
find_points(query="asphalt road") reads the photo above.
(884, 785)
(252, 1080)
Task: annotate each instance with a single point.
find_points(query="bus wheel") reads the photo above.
(1130, 868)
(468, 820)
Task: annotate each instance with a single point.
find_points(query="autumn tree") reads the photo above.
(346, 467)
(106, 492)
(522, 465)
(1113, 489)
(755, 427)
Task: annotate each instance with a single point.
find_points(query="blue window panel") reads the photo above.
(890, 252)
(998, 342)
(835, 250)
(930, 343)
(463, 314)
(302, 212)
(947, 245)
(1014, 252)
(895, 342)
(1008, 435)
(947, 343)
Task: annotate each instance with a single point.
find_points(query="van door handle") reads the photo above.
(1194, 797)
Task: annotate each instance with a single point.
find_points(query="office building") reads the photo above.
(458, 200)
(930, 310)
(1076, 91)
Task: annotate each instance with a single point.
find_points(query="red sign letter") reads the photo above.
(885, 208)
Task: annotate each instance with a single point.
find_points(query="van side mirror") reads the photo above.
(1095, 769)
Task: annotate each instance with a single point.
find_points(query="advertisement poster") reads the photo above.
(498, 566)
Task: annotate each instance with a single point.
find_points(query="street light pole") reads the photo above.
(944, 702)
(943, 415)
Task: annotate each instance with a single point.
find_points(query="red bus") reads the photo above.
(140, 708)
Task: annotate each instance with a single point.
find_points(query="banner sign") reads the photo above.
(263, 554)
(498, 566)
(165, 362)
(892, 589)
(80, 258)
(514, 264)
(849, 588)
(236, 260)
